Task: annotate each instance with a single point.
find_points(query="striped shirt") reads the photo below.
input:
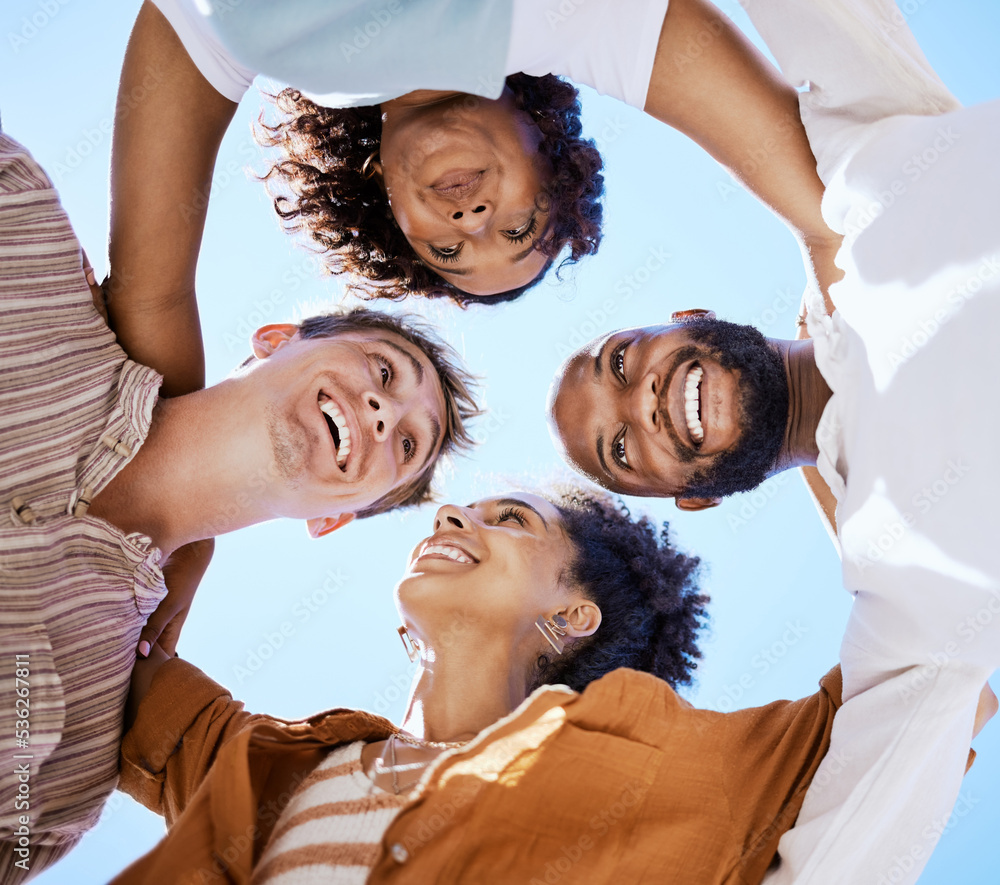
(332, 829)
(74, 590)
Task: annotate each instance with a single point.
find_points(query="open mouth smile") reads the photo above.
(692, 403)
(446, 549)
(339, 429)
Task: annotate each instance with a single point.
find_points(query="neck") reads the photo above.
(189, 479)
(456, 696)
(808, 395)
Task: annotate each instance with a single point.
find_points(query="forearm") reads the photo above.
(710, 83)
(169, 123)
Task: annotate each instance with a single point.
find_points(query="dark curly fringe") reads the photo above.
(348, 217)
(649, 600)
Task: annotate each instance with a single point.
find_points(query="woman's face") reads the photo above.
(464, 180)
(496, 564)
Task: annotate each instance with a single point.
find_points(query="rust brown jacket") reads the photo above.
(624, 783)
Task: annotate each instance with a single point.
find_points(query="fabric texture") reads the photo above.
(908, 440)
(351, 52)
(331, 830)
(373, 56)
(74, 590)
(669, 792)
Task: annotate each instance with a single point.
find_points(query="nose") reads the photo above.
(473, 218)
(383, 415)
(453, 516)
(644, 401)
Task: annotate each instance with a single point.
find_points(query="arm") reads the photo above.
(169, 123)
(177, 720)
(731, 101)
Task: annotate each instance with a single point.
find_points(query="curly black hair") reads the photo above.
(347, 215)
(650, 605)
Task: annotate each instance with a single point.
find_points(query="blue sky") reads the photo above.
(292, 625)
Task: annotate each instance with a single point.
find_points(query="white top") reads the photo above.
(332, 828)
(609, 46)
(908, 442)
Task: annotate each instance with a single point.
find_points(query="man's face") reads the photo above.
(695, 409)
(348, 418)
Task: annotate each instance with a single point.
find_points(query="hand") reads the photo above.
(96, 291)
(182, 573)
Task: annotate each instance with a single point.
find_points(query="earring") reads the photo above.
(412, 649)
(367, 169)
(553, 630)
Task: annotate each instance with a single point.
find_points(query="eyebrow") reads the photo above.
(599, 359)
(600, 456)
(435, 436)
(517, 502)
(418, 369)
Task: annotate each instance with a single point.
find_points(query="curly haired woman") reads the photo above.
(475, 209)
(501, 772)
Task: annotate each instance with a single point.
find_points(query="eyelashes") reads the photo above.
(525, 233)
(511, 513)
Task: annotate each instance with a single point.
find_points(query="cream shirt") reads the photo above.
(909, 441)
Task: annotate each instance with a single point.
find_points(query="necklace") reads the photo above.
(434, 745)
(416, 742)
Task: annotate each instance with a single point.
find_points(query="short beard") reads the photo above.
(763, 404)
(287, 456)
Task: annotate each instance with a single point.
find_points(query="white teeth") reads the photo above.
(692, 403)
(443, 550)
(344, 449)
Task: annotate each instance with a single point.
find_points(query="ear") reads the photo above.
(583, 617)
(693, 504)
(323, 525)
(694, 313)
(267, 339)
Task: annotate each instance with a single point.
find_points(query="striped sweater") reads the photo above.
(331, 830)
(74, 590)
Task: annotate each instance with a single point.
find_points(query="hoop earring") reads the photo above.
(412, 649)
(553, 630)
(367, 168)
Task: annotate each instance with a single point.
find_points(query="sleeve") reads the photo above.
(227, 76)
(17, 867)
(182, 723)
(363, 52)
(608, 46)
(770, 757)
(882, 795)
(860, 62)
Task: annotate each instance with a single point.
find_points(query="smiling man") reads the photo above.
(102, 479)
(893, 400)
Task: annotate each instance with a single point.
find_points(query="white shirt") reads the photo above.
(609, 46)
(909, 440)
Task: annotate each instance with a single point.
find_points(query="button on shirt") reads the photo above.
(74, 590)
(908, 442)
